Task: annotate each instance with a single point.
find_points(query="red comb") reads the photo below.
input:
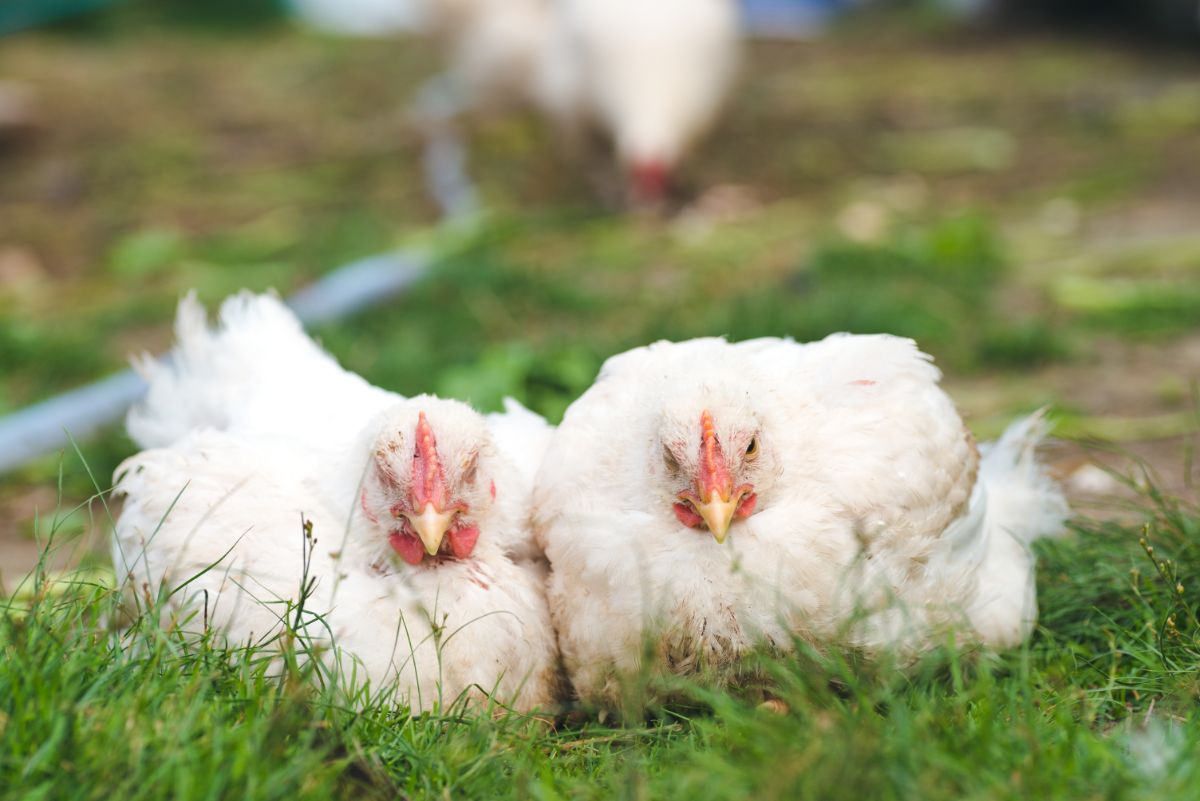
(714, 474)
(428, 481)
(649, 180)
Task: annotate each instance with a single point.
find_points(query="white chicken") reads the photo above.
(653, 76)
(419, 520)
(703, 499)
(650, 76)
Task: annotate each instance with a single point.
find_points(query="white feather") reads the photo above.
(1022, 504)
(256, 371)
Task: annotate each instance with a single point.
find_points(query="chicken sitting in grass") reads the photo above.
(704, 499)
(269, 467)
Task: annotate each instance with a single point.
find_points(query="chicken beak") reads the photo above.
(431, 526)
(718, 515)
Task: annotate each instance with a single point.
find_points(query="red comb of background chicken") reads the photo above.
(428, 480)
(714, 473)
(649, 180)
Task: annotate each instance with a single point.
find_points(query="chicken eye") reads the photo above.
(752, 450)
(669, 460)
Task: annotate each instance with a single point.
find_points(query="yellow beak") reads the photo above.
(718, 514)
(431, 526)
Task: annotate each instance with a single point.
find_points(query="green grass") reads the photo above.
(1102, 703)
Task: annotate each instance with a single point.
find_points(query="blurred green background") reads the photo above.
(1023, 204)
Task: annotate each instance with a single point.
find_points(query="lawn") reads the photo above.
(1023, 206)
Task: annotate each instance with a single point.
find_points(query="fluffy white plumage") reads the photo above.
(650, 75)
(864, 514)
(251, 427)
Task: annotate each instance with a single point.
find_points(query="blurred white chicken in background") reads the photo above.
(704, 499)
(649, 76)
(423, 561)
(653, 75)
